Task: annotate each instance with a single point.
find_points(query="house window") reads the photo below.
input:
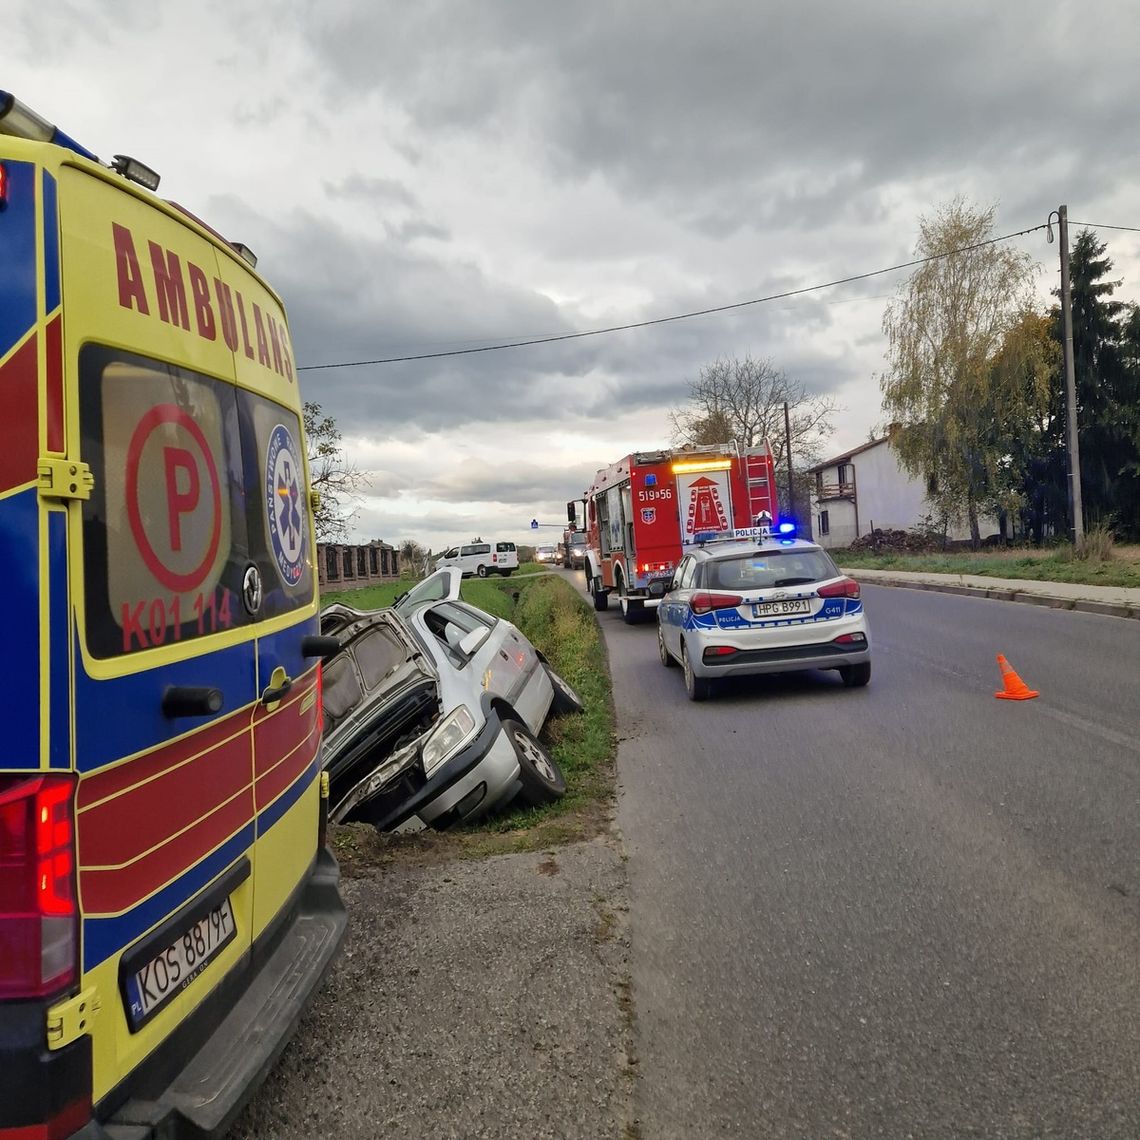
(824, 523)
(843, 474)
(818, 484)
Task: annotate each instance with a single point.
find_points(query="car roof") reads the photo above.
(734, 547)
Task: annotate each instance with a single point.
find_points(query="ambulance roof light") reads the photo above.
(21, 121)
(245, 253)
(134, 171)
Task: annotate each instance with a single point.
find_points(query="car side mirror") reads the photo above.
(473, 640)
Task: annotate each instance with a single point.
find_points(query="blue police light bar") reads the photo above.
(786, 529)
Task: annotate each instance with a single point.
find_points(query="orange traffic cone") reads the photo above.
(1015, 688)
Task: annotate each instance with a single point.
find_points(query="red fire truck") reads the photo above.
(641, 511)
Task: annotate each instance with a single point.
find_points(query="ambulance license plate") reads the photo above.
(779, 609)
(171, 971)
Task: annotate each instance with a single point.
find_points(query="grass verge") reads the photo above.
(561, 625)
(1057, 564)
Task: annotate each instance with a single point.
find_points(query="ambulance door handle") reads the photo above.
(274, 694)
(191, 700)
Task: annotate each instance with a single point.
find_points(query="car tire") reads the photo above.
(698, 688)
(541, 778)
(667, 658)
(632, 609)
(482, 571)
(855, 676)
(601, 598)
(566, 700)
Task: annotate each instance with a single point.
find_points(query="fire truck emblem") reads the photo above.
(706, 512)
(649, 515)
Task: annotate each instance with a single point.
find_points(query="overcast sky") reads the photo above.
(419, 177)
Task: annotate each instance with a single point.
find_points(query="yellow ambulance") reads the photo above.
(167, 903)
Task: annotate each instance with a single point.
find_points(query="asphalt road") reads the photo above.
(905, 911)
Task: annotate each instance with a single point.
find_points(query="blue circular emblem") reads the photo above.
(285, 505)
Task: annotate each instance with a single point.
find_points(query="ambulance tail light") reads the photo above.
(844, 588)
(38, 910)
(703, 602)
(3, 186)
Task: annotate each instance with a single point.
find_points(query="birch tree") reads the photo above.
(945, 330)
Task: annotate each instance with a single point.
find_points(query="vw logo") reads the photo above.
(251, 593)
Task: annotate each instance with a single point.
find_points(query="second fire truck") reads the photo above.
(641, 511)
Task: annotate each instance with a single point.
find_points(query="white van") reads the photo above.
(481, 558)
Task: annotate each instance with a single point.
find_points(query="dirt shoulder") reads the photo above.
(473, 998)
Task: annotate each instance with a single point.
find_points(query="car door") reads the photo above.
(675, 605)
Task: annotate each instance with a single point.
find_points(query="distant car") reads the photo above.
(481, 559)
(433, 710)
(545, 554)
(574, 550)
(742, 606)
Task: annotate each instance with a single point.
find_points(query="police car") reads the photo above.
(761, 603)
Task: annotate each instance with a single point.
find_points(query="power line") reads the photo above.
(676, 317)
(1101, 226)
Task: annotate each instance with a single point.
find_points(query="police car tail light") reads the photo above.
(37, 886)
(850, 639)
(718, 652)
(704, 602)
(844, 588)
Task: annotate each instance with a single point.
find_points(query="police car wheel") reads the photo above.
(856, 676)
(482, 571)
(698, 688)
(565, 699)
(666, 657)
(541, 778)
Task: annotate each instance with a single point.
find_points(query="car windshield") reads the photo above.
(577, 540)
(766, 569)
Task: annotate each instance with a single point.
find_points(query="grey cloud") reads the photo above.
(380, 190)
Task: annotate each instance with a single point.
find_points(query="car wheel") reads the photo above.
(482, 571)
(698, 688)
(855, 676)
(666, 657)
(541, 778)
(632, 609)
(601, 598)
(565, 699)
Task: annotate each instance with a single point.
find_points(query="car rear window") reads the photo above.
(761, 570)
(195, 482)
(504, 547)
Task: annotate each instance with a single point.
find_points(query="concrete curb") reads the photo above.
(1005, 594)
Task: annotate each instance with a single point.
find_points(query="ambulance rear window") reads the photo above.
(199, 497)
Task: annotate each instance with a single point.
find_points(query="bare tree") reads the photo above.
(743, 400)
(335, 478)
(955, 378)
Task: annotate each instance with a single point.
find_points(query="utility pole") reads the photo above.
(1076, 509)
(788, 452)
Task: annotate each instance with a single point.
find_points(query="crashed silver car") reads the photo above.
(433, 710)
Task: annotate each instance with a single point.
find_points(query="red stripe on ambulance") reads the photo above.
(120, 829)
(20, 399)
(118, 889)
